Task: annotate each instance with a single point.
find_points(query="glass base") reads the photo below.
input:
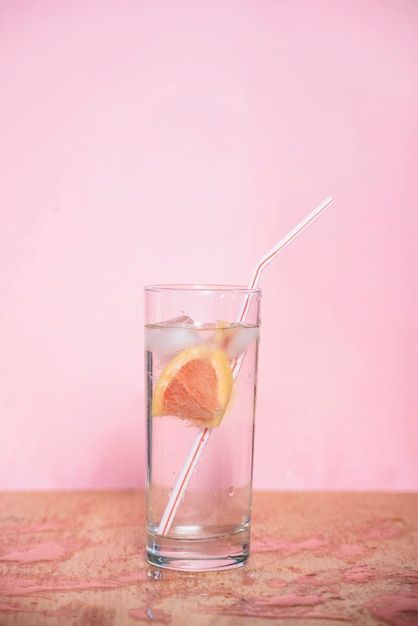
(199, 555)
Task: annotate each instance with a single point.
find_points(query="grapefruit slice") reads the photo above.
(196, 386)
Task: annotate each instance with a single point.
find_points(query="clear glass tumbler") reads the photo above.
(201, 347)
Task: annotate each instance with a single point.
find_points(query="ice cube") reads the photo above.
(168, 338)
(240, 339)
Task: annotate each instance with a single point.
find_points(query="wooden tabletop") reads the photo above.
(77, 559)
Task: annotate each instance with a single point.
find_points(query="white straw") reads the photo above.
(204, 434)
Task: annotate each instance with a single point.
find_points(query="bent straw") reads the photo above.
(204, 434)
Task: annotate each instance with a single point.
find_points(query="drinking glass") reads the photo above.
(201, 348)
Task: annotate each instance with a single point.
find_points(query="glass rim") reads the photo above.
(203, 288)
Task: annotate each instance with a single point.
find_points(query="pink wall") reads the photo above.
(178, 141)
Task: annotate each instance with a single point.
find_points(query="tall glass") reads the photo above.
(201, 346)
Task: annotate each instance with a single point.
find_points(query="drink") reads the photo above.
(200, 375)
(199, 528)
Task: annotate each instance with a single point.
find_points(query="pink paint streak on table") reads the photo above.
(77, 558)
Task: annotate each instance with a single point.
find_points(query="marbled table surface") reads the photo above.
(77, 559)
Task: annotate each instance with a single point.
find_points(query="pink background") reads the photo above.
(177, 141)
